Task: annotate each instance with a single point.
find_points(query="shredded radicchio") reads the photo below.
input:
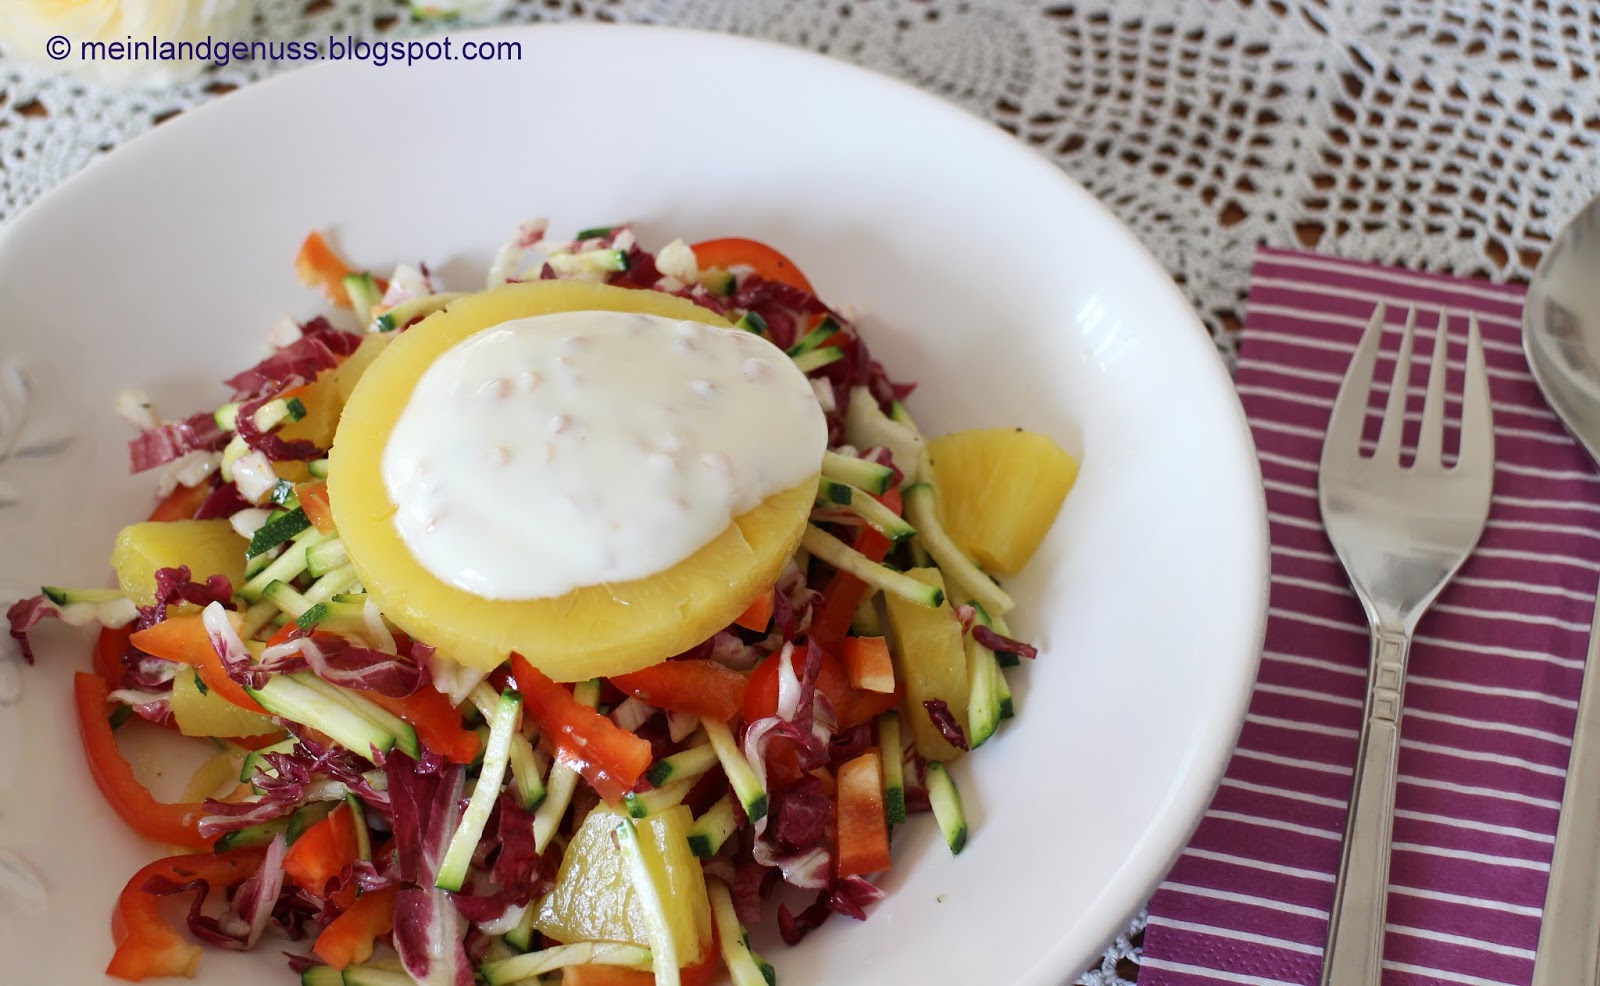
(268, 444)
(173, 587)
(429, 932)
(24, 615)
(242, 925)
(225, 640)
(258, 896)
(851, 743)
(945, 721)
(287, 787)
(319, 348)
(778, 304)
(752, 884)
(224, 500)
(965, 614)
(794, 604)
(801, 814)
(152, 706)
(335, 659)
(203, 926)
(848, 896)
(995, 641)
(162, 444)
(521, 873)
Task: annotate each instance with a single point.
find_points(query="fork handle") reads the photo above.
(1354, 956)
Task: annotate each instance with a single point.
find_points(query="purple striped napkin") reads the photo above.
(1493, 685)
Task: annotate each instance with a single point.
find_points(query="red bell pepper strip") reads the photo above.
(146, 945)
(699, 687)
(438, 723)
(313, 499)
(609, 757)
(175, 824)
(181, 503)
(319, 267)
(851, 706)
(759, 613)
(734, 251)
(348, 938)
(322, 851)
(184, 639)
(867, 661)
(862, 825)
(845, 592)
(108, 650)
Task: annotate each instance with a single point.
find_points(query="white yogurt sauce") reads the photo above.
(578, 448)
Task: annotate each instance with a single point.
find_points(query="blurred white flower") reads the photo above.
(52, 34)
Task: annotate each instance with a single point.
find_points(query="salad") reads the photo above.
(420, 779)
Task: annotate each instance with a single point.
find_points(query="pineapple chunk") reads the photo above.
(591, 631)
(999, 491)
(204, 713)
(931, 660)
(325, 396)
(594, 899)
(208, 547)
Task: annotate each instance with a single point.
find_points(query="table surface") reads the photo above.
(1445, 136)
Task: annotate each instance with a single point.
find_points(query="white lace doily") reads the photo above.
(1447, 135)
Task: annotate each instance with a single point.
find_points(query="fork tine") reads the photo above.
(1477, 420)
(1430, 440)
(1350, 407)
(1394, 411)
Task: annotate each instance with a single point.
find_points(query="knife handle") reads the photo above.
(1569, 935)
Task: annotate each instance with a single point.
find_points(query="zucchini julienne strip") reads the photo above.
(294, 697)
(563, 780)
(894, 767)
(885, 521)
(643, 804)
(741, 776)
(404, 733)
(825, 330)
(643, 861)
(407, 312)
(525, 773)
(685, 764)
(946, 803)
(285, 568)
(922, 509)
(533, 964)
(866, 426)
(833, 495)
(816, 359)
(712, 829)
(847, 559)
(496, 755)
(983, 702)
(848, 469)
(743, 967)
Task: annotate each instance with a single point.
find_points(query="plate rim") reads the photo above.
(1193, 789)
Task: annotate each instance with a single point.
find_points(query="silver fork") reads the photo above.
(1401, 532)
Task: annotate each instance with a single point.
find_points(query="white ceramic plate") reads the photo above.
(981, 272)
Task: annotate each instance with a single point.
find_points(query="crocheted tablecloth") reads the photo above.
(1443, 135)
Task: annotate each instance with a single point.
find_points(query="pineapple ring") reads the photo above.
(591, 631)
